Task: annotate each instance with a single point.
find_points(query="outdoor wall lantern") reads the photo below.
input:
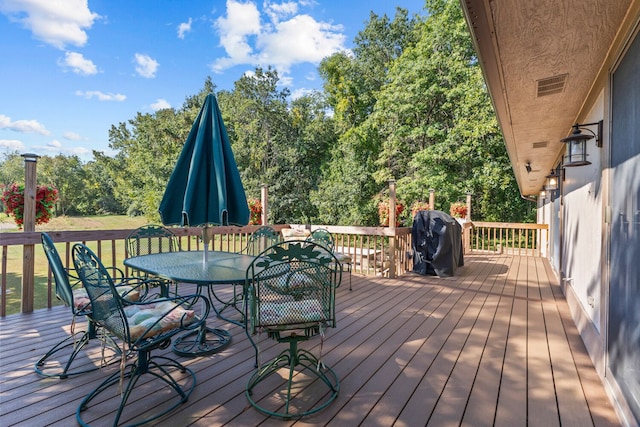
(552, 182)
(577, 144)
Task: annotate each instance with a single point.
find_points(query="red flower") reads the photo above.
(383, 213)
(255, 207)
(13, 200)
(458, 210)
(419, 206)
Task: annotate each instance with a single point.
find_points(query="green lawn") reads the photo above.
(103, 222)
(14, 259)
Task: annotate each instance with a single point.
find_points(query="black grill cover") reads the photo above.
(436, 239)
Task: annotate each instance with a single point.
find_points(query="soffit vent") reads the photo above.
(552, 85)
(541, 144)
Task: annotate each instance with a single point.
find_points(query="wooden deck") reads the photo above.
(493, 345)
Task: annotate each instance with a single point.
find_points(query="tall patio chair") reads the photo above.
(153, 239)
(57, 362)
(324, 237)
(291, 296)
(264, 237)
(142, 328)
(260, 240)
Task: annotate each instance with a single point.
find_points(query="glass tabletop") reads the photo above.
(189, 266)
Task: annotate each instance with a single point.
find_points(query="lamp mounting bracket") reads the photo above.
(597, 134)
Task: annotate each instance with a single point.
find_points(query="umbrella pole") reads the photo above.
(206, 238)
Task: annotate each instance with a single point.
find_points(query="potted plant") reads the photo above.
(255, 208)
(458, 210)
(13, 200)
(419, 206)
(383, 213)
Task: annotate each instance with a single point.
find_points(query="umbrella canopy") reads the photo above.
(205, 186)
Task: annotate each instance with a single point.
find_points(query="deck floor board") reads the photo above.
(492, 346)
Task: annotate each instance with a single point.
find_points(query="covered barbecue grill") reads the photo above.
(436, 240)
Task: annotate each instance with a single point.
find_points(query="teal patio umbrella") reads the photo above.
(205, 187)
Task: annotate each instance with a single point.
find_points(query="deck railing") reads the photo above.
(509, 238)
(373, 250)
(369, 248)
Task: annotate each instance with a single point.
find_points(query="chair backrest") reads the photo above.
(64, 289)
(292, 286)
(107, 308)
(152, 239)
(322, 237)
(260, 240)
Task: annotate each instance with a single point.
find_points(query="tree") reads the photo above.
(11, 168)
(347, 191)
(148, 148)
(99, 187)
(438, 124)
(426, 121)
(353, 80)
(66, 173)
(257, 120)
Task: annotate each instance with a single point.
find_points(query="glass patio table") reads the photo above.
(221, 268)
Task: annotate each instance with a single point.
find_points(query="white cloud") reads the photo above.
(283, 40)
(300, 39)
(184, 27)
(57, 23)
(279, 11)
(242, 21)
(22, 126)
(299, 93)
(12, 144)
(146, 66)
(78, 64)
(101, 95)
(72, 136)
(160, 104)
(55, 146)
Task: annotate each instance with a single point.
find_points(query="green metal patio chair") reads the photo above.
(57, 362)
(290, 291)
(142, 327)
(260, 239)
(323, 237)
(257, 242)
(153, 239)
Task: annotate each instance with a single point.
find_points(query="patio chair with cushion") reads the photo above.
(257, 242)
(142, 327)
(324, 237)
(57, 362)
(153, 239)
(260, 239)
(290, 291)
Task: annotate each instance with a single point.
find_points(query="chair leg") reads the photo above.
(291, 359)
(78, 341)
(158, 367)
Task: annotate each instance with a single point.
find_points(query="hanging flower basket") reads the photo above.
(458, 210)
(13, 200)
(255, 208)
(419, 206)
(383, 213)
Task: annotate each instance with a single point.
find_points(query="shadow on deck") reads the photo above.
(493, 345)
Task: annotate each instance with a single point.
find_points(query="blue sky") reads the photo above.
(72, 68)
